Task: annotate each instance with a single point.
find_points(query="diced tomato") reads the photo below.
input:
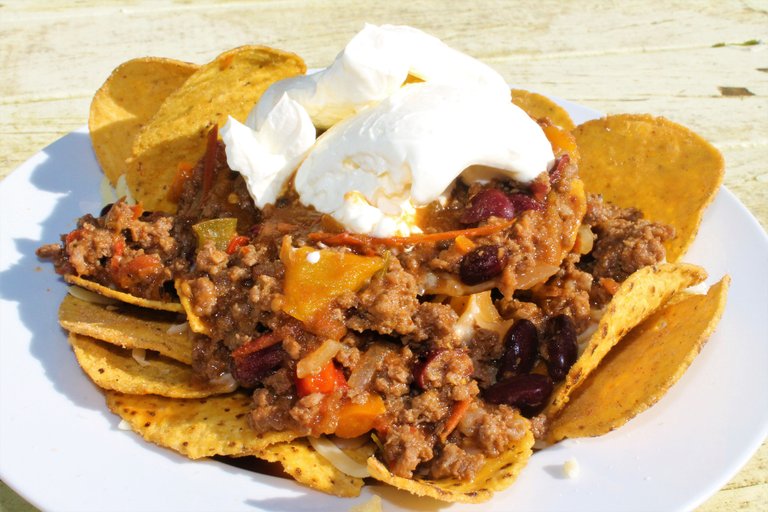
(140, 268)
(118, 248)
(137, 210)
(236, 243)
(326, 381)
(143, 266)
(73, 235)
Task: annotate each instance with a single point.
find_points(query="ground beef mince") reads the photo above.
(396, 348)
(125, 249)
(624, 241)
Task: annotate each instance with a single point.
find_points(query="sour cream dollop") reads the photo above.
(266, 153)
(373, 169)
(373, 66)
(391, 146)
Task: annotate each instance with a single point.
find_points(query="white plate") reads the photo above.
(60, 447)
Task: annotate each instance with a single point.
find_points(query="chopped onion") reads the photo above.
(448, 284)
(584, 240)
(316, 360)
(178, 328)
(479, 311)
(124, 425)
(367, 366)
(140, 356)
(338, 458)
(89, 296)
(350, 443)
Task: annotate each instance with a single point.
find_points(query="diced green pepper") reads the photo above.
(218, 231)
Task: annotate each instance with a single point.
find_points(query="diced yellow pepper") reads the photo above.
(315, 277)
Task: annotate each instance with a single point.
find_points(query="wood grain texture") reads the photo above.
(655, 56)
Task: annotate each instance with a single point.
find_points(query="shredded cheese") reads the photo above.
(178, 328)
(338, 458)
(140, 356)
(89, 296)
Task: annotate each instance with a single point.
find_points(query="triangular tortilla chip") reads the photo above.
(230, 85)
(127, 327)
(106, 291)
(203, 427)
(642, 366)
(125, 102)
(538, 106)
(637, 297)
(303, 463)
(662, 168)
(111, 367)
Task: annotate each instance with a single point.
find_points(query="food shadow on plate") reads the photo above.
(66, 168)
(311, 500)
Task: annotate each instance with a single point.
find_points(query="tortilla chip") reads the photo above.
(303, 463)
(538, 106)
(497, 474)
(127, 327)
(196, 322)
(642, 367)
(106, 291)
(203, 427)
(230, 85)
(111, 367)
(662, 168)
(127, 100)
(638, 296)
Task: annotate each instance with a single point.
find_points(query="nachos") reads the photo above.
(394, 273)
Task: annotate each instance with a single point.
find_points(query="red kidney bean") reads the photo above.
(490, 202)
(420, 369)
(250, 369)
(522, 202)
(556, 172)
(481, 264)
(521, 348)
(560, 346)
(528, 392)
(105, 209)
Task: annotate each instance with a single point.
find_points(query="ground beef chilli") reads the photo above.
(542, 250)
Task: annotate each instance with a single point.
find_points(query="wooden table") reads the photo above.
(703, 64)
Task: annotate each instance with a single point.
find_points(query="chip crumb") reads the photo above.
(372, 505)
(571, 469)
